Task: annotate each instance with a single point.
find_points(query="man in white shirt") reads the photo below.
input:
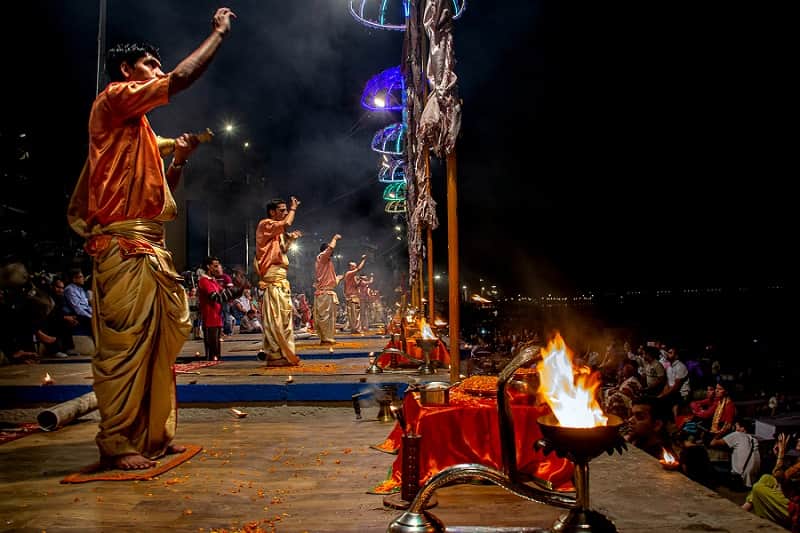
(677, 390)
(745, 459)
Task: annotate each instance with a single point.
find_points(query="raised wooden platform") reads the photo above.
(327, 375)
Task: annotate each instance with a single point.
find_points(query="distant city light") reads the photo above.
(380, 101)
(228, 127)
(398, 228)
(294, 247)
(246, 145)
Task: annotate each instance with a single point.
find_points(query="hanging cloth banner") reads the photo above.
(418, 198)
(441, 119)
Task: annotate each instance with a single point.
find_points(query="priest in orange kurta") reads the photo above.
(120, 205)
(271, 263)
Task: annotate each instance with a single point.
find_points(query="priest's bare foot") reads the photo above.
(175, 448)
(133, 461)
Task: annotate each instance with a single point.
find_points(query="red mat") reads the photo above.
(95, 472)
(22, 430)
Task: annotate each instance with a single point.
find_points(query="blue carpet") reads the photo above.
(13, 396)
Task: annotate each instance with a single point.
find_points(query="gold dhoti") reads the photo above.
(354, 314)
(325, 304)
(276, 312)
(140, 322)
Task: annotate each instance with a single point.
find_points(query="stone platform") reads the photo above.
(300, 461)
(305, 468)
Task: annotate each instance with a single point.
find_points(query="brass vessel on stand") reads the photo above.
(427, 346)
(578, 444)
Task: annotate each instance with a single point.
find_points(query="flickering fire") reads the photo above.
(47, 380)
(439, 323)
(425, 329)
(480, 299)
(569, 391)
(668, 459)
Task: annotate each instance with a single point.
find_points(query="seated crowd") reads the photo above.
(43, 315)
(652, 391)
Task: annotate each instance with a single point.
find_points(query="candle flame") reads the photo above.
(668, 459)
(425, 329)
(569, 391)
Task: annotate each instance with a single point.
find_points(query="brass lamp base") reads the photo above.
(426, 369)
(396, 501)
(584, 521)
(373, 368)
(384, 411)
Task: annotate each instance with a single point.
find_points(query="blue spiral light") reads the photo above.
(390, 14)
(392, 170)
(390, 140)
(385, 91)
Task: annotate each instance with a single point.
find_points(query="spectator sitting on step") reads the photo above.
(250, 323)
(76, 303)
(649, 422)
(703, 410)
(55, 333)
(620, 398)
(745, 465)
(776, 496)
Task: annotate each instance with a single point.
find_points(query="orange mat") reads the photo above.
(340, 345)
(182, 368)
(302, 368)
(95, 472)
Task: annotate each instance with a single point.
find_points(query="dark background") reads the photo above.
(604, 145)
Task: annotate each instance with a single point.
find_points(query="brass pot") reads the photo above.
(435, 393)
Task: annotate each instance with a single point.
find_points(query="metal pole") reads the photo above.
(431, 306)
(421, 296)
(101, 44)
(452, 266)
(247, 246)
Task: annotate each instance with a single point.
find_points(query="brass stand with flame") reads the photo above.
(595, 433)
(427, 342)
(581, 445)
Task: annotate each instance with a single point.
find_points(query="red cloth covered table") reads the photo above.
(467, 431)
(438, 354)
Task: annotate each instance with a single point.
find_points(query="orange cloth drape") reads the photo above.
(439, 353)
(470, 434)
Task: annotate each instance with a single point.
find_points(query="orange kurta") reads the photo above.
(123, 178)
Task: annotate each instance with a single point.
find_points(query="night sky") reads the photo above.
(623, 144)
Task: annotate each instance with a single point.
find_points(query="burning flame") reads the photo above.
(569, 391)
(439, 323)
(47, 380)
(425, 329)
(668, 459)
(480, 299)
